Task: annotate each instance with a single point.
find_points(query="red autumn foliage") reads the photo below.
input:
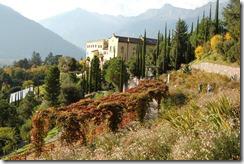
(88, 118)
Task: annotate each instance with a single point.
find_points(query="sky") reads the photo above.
(42, 9)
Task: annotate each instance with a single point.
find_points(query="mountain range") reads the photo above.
(67, 33)
(20, 36)
(79, 26)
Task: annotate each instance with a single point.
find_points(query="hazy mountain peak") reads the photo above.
(78, 28)
(21, 36)
(167, 5)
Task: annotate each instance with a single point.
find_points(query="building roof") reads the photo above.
(150, 41)
(99, 40)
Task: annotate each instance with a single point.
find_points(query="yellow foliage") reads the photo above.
(27, 83)
(11, 70)
(228, 36)
(8, 70)
(199, 51)
(215, 40)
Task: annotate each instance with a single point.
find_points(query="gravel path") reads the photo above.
(219, 69)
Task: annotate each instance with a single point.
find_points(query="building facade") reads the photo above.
(96, 47)
(116, 46)
(17, 96)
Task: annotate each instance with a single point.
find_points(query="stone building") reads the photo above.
(116, 46)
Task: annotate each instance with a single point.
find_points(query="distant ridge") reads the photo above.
(78, 26)
(19, 37)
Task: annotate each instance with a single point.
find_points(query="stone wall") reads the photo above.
(231, 72)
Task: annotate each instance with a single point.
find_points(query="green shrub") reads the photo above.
(218, 112)
(175, 99)
(227, 147)
(70, 93)
(8, 140)
(25, 131)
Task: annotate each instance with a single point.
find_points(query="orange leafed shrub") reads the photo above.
(199, 51)
(215, 40)
(82, 121)
(228, 37)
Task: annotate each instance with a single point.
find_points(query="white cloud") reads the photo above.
(41, 9)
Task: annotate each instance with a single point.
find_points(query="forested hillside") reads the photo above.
(82, 110)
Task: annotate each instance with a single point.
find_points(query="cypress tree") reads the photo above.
(140, 60)
(210, 12)
(217, 18)
(90, 78)
(144, 49)
(137, 60)
(83, 84)
(169, 39)
(87, 80)
(206, 31)
(165, 51)
(162, 38)
(52, 86)
(197, 25)
(168, 50)
(180, 43)
(121, 76)
(95, 74)
(157, 50)
(192, 28)
(176, 54)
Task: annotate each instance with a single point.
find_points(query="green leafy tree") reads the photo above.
(8, 140)
(70, 93)
(163, 59)
(217, 18)
(25, 131)
(5, 79)
(27, 106)
(132, 66)
(157, 49)
(51, 59)
(203, 32)
(27, 84)
(23, 63)
(232, 18)
(113, 72)
(52, 86)
(190, 49)
(180, 41)
(106, 85)
(67, 64)
(144, 53)
(96, 78)
(8, 115)
(140, 60)
(36, 59)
